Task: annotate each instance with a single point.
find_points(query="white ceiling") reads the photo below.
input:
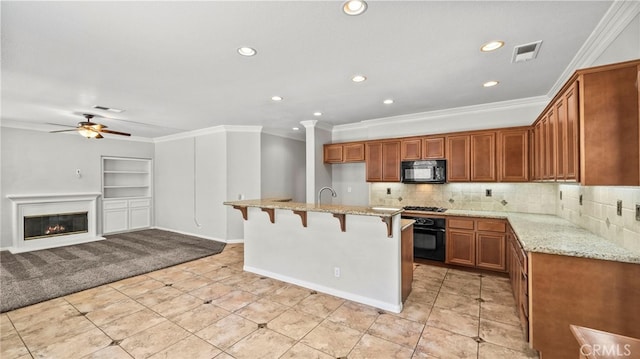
(173, 66)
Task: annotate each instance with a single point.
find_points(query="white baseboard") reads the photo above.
(395, 308)
(199, 235)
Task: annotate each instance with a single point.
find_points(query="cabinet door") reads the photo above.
(139, 217)
(571, 134)
(411, 149)
(561, 138)
(353, 152)
(551, 144)
(458, 159)
(333, 153)
(542, 151)
(391, 161)
(433, 148)
(490, 251)
(461, 247)
(373, 161)
(513, 147)
(483, 157)
(115, 220)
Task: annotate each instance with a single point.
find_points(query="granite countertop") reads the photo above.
(311, 207)
(543, 233)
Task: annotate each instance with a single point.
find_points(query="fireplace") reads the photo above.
(53, 220)
(51, 225)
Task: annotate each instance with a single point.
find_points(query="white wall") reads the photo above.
(174, 185)
(283, 167)
(39, 162)
(350, 183)
(227, 166)
(243, 175)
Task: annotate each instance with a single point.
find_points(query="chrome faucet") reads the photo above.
(333, 193)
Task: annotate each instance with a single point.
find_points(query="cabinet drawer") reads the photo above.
(114, 204)
(134, 203)
(460, 223)
(492, 226)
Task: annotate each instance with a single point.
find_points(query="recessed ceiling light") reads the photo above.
(110, 109)
(354, 7)
(276, 98)
(317, 113)
(387, 101)
(490, 83)
(296, 128)
(491, 46)
(358, 78)
(247, 51)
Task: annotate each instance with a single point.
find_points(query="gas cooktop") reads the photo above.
(424, 209)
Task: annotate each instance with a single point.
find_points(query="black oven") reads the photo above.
(428, 238)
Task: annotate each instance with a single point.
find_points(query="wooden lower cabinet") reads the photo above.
(406, 255)
(461, 247)
(587, 292)
(478, 243)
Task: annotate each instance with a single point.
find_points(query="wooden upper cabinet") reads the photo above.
(333, 153)
(391, 161)
(570, 143)
(411, 149)
(433, 148)
(561, 128)
(513, 150)
(353, 152)
(551, 145)
(383, 161)
(483, 157)
(458, 152)
(344, 152)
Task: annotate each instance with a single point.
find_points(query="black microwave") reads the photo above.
(428, 171)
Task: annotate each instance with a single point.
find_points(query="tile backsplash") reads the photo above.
(517, 197)
(598, 212)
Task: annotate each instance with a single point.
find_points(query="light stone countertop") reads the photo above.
(311, 207)
(404, 223)
(543, 233)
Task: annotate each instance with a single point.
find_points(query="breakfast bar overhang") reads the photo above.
(347, 251)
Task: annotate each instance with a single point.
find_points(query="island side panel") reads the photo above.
(369, 261)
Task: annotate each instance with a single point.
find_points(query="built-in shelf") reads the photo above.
(126, 193)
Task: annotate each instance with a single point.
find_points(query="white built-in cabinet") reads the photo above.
(126, 194)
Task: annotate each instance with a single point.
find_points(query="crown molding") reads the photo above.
(438, 114)
(209, 131)
(614, 21)
(297, 136)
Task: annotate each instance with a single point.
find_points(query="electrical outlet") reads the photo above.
(388, 190)
(580, 200)
(336, 272)
(637, 212)
(487, 193)
(619, 208)
(561, 195)
(349, 189)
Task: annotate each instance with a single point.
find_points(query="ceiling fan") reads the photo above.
(90, 129)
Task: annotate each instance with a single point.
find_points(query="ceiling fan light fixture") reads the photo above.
(354, 7)
(85, 132)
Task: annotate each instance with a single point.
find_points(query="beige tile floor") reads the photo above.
(210, 308)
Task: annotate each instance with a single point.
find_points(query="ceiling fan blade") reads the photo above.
(115, 132)
(73, 129)
(58, 124)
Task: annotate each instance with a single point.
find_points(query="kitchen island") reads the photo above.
(351, 252)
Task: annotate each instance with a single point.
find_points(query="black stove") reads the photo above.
(424, 209)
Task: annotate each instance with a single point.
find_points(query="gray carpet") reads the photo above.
(32, 277)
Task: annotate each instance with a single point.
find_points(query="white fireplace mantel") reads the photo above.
(52, 203)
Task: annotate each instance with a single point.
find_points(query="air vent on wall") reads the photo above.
(526, 52)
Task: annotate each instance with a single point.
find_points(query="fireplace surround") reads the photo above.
(52, 220)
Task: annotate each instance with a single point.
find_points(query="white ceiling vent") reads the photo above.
(526, 52)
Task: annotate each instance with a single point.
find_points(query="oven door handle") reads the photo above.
(428, 229)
